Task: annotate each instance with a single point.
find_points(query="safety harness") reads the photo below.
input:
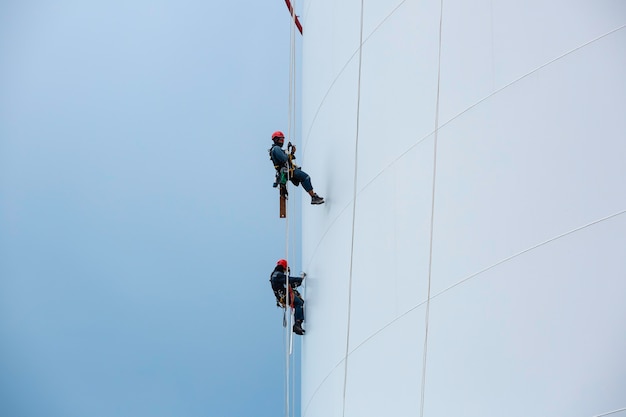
(280, 297)
(280, 293)
(284, 171)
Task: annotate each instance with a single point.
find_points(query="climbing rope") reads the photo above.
(288, 310)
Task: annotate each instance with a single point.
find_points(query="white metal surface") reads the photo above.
(528, 184)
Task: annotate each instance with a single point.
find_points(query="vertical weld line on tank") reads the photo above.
(432, 218)
(354, 193)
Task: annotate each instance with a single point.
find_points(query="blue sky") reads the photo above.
(138, 225)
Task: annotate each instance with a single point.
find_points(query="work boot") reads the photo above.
(316, 199)
(297, 328)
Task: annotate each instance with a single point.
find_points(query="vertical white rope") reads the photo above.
(287, 332)
(287, 315)
(292, 382)
(432, 220)
(292, 120)
(290, 132)
(354, 195)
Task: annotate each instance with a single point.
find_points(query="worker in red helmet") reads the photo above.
(278, 279)
(282, 159)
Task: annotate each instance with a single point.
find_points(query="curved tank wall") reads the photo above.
(474, 152)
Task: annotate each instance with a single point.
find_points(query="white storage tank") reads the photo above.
(470, 259)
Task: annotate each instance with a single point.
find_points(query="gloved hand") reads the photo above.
(303, 275)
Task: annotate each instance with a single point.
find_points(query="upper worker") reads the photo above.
(282, 159)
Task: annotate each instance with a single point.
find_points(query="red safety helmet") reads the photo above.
(278, 134)
(283, 263)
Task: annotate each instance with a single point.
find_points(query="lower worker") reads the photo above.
(278, 279)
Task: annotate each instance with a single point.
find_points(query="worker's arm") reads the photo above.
(296, 281)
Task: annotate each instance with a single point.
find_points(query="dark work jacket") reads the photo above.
(279, 157)
(278, 279)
